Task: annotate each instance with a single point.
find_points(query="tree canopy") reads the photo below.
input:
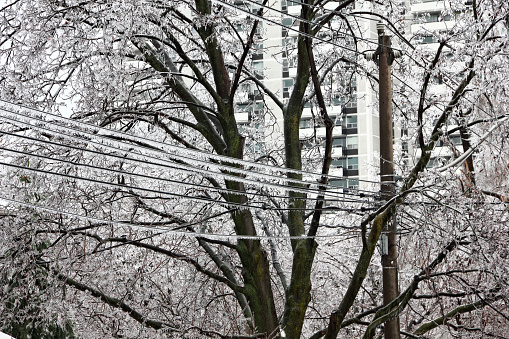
(155, 185)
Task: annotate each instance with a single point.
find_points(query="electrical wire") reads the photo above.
(213, 157)
(263, 205)
(173, 148)
(161, 162)
(176, 182)
(179, 167)
(213, 236)
(92, 131)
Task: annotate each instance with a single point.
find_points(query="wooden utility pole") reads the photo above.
(388, 241)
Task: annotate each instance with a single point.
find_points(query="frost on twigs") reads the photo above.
(162, 165)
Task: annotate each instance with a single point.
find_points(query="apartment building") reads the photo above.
(426, 20)
(355, 142)
(356, 134)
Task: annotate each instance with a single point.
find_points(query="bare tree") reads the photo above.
(152, 211)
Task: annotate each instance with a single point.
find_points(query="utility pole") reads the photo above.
(384, 56)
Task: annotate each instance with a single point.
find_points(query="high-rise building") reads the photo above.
(427, 20)
(356, 132)
(355, 108)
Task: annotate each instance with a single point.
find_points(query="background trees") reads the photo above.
(153, 211)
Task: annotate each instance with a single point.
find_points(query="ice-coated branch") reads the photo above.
(265, 89)
(422, 99)
(230, 275)
(327, 18)
(329, 126)
(117, 303)
(351, 321)
(397, 305)
(273, 251)
(458, 310)
(205, 125)
(247, 47)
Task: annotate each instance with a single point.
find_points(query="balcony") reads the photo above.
(337, 152)
(349, 131)
(292, 72)
(350, 172)
(336, 171)
(308, 132)
(351, 151)
(242, 117)
(254, 97)
(293, 9)
(427, 6)
(431, 26)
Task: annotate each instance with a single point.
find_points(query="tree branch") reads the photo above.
(117, 303)
(458, 310)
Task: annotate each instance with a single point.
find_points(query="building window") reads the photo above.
(287, 21)
(339, 163)
(286, 69)
(351, 121)
(258, 51)
(338, 183)
(337, 120)
(352, 142)
(306, 123)
(353, 163)
(254, 7)
(287, 85)
(284, 6)
(287, 64)
(346, 101)
(353, 183)
(351, 103)
(432, 17)
(339, 142)
(428, 39)
(258, 69)
(289, 43)
(455, 139)
(437, 162)
(404, 146)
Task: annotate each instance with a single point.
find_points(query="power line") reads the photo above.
(92, 131)
(174, 148)
(264, 206)
(165, 163)
(121, 172)
(161, 162)
(216, 236)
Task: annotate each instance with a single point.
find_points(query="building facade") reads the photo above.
(356, 134)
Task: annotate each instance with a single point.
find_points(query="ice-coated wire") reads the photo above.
(216, 236)
(181, 167)
(92, 130)
(263, 205)
(177, 182)
(174, 148)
